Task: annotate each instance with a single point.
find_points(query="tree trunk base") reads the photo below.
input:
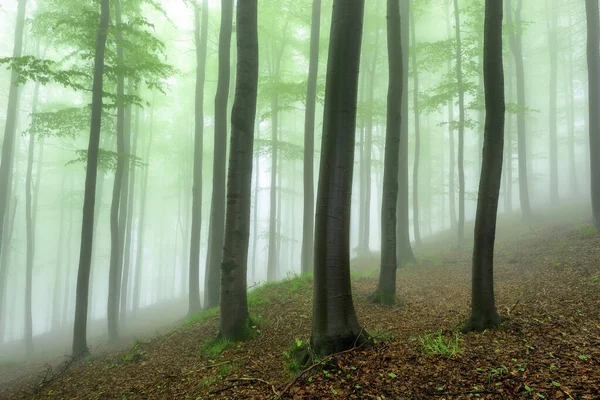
(383, 297)
(242, 334)
(482, 322)
(326, 345)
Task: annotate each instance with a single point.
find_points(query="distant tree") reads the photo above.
(217, 206)
(593, 61)
(10, 129)
(516, 46)
(386, 290)
(483, 307)
(234, 266)
(87, 228)
(308, 225)
(461, 125)
(335, 324)
(201, 40)
(417, 126)
(552, 98)
(405, 253)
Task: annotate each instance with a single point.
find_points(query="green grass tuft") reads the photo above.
(201, 316)
(586, 230)
(437, 344)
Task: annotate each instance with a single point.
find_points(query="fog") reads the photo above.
(162, 127)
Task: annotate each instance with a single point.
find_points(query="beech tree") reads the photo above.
(483, 306)
(335, 324)
(593, 61)
(234, 302)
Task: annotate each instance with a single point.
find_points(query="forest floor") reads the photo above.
(547, 278)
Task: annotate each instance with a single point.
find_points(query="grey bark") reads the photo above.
(593, 61)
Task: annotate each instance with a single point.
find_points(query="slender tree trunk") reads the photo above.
(413, 54)
(58, 282)
(308, 225)
(508, 150)
(255, 211)
(85, 257)
(117, 211)
(553, 142)
(483, 308)
(593, 61)
(461, 128)
(201, 39)
(335, 324)
(405, 253)
(30, 225)
(386, 290)
(217, 205)
(234, 301)
(571, 114)
(129, 224)
(137, 282)
(5, 262)
(515, 40)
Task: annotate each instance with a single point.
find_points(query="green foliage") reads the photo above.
(284, 288)
(587, 230)
(69, 122)
(293, 355)
(437, 344)
(202, 316)
(30, 68)
(107, 159)
(213, 347)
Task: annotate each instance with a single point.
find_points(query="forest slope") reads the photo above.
(547, 286)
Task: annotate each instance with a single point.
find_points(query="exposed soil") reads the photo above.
(547, 289)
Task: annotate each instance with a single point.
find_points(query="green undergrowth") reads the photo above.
(279, 290)
(437, 344)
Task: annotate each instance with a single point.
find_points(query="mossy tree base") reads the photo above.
(326, 345)
(383, 297)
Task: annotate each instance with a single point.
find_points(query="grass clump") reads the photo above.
(437, 344)
(201, 316)
(262, 294)
(213, 347)
(587, 230)
(294, 356)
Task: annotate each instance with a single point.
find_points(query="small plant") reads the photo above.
(213, 347)
(437, 344)
(494, 373)
(587, 230)
(294, 355)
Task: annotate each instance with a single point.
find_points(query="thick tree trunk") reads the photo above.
(593, 61)
(85, 257)
(517, 51)
(386, 290)
(117, 211)
(483, 308)
(308, 224)
(335, 324)
(234, 300)
(461, 127)
(413, 54)
(405, 253)
(201, 39)
(217, 205)
(553, 140)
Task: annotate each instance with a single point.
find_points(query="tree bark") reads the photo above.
(85, 256)
(483, 308)
(515, 40)
(593, 61)
(571, 114)
(308, 224)
(234, 266)
(461, 128)
(335, 324)
(117, 211)
(452, 146)
(217, 205)
(413, 55)
(553, 140)
(201, 39)
(386, 290)
(405, 253)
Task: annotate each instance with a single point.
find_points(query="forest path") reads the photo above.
(547, 286)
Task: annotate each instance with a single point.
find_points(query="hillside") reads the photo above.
(547, 287)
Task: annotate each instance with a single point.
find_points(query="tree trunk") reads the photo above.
(405, 253)
(461, 128)
(201, 40)
(517, 51)
(386, 290)
(234, 301)
(335, 324)
(483, 308)
(10, 129)
(129, 225)
(85, 257)
(571, 115)
(30, 224)
(58, 281)
(553, 142)
(308, 224)
(5, 262)
(217, 205)
(508, 150)
(452, 157)
(593, 61)
(255, 210)
(416, 221)
(117, 211)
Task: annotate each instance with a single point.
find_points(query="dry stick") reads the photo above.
(289, 385)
